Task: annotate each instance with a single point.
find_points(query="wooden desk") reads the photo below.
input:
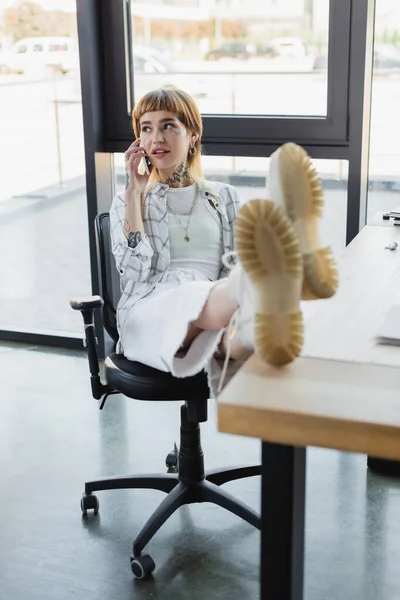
(370, 284)
(315, 402)
(343, 393)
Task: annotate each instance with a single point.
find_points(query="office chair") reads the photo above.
(189, 483)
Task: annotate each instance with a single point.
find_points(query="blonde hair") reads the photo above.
(185, 108)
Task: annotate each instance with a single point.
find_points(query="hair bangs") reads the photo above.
(171, 100)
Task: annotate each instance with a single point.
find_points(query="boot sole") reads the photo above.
(296, 187)
(270, 255)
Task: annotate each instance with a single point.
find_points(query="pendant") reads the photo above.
(186, 238)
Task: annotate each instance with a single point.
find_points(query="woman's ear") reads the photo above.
(193, 138)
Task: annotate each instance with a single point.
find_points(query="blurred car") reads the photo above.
(266, 50)
(288, 47)
(153, 70)
(320, 62)
(386, 56)
(57, 54)
(231, 50)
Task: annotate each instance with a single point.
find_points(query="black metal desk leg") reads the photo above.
(283, 519)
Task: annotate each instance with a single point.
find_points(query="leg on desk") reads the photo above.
(282, 521)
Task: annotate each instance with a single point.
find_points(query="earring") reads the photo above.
(193, 150)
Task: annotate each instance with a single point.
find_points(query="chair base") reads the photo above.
(190, 485)
(179, 494)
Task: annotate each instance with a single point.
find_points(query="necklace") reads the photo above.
(185, 214)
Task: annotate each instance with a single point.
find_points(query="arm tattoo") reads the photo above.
(134, 239)
(181, 173)
(126, 225)
(127, 181)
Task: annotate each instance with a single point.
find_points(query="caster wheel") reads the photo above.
(142, 566)
(88, 502)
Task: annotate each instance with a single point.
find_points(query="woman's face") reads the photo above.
(165, 139)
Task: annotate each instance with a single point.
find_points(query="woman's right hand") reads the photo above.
(133, 156)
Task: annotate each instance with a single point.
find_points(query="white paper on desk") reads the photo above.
(389, 330)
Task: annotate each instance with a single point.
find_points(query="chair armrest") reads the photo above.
(87, 307)
(90, 302)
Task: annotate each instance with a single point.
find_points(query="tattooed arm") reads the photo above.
(132, 264)
(134, 239)
(133, 223)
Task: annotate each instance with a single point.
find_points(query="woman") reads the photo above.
(173, 241)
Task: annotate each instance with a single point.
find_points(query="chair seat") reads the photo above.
(135, 380)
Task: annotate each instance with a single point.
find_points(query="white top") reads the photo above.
(201, 255)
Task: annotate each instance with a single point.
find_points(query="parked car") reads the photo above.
(57, 54)
(288, 47)
(232, 50)
(266, 50)
(320, 62)
(153, 70)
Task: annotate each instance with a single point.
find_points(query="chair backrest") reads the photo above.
(109, 277)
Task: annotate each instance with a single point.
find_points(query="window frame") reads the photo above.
(232, 130)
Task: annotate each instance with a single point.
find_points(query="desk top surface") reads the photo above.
(344, 392)
(344, 327)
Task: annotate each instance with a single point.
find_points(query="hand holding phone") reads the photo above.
(137, 165)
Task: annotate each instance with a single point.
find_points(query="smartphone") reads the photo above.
(144, 166)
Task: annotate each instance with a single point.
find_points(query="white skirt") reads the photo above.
(156, 327)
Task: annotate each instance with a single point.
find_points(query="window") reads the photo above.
(43, 213)
(268, 88)
(239, 58)
(384, 161)
(22, 49)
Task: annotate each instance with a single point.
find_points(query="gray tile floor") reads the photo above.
(53, 438)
